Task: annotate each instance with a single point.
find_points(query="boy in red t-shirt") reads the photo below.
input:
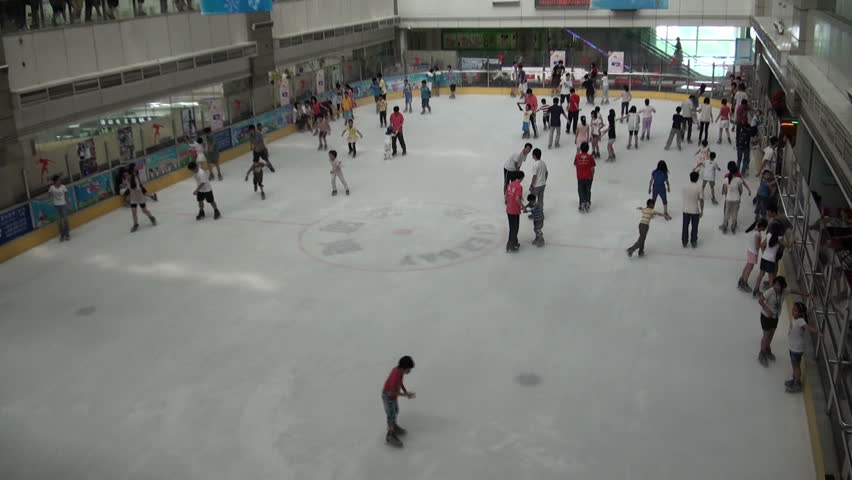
(514, 205)
(573, 112)
(585, 164)
(390, 393)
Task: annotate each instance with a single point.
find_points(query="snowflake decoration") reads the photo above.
(254, 4)
(232, 5)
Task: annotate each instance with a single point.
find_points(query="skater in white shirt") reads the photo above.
(604, 88)
(709, 167)
(647, 114)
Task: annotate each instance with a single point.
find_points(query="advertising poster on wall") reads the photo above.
(93, 189)
(125, 143)
(160, 163)
(320, 81)
(284, 115)
(616, 62)
(15, 223)
(743, 48)
(214, 109)
(557, 56)
(284, 92)
(187, 119)
(86, 156)
(43, 211)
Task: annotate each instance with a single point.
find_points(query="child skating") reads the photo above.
(659, 186)
(769, 255)
(732, 190)
(724, 120)
(204, 191)
(633, 128)
(133, 187)
(582, 134)
(648, 213)
(525, 126)
(336, 172)
(256, 169)
(647, 116)
(677, 130)
(626, 97)
(389, 143)
(391, 392)
(352, 134)
(425, 95)
(406, 91)
(753, 241)
(324, 127)
(709, 167)
(536, 211)
(610, 131)
(383, 111)
(595, 127)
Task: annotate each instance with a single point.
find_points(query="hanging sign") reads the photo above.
(616, 62)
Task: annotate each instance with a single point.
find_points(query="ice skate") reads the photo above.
(263, 195)
(397, 430)
(334, 193)
(743, 285)
(795, 387)
(761, 358)
(200, 215)
(216, 215)
(135, 228)
(769, 355)
(789, 382)
(220, 179)
(723, 228)
(755, 293)
(153, 221)
(347, 192)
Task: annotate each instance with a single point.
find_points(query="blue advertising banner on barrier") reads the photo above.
(93, 189)
(239, 132)
(269, 120)
(160, 163)
(284, 116)
(225, 7)
(14, 223)
(43, 211)
(223, 139)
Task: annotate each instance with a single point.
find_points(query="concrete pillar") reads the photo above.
(13, 154)
(402, 41)
(259, 27)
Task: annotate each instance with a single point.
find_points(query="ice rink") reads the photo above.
(256, 346)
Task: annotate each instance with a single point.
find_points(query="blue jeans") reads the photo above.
(391, 408)
(686, 235)
(743, 159)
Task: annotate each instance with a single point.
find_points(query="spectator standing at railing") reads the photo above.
(93, 4)
(452, 79)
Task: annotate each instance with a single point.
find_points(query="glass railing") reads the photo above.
(41, 14)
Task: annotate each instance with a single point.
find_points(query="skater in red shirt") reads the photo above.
(390, 393)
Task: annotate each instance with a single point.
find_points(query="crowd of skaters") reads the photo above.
(691, 124)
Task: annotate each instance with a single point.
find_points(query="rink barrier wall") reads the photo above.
(280, 118)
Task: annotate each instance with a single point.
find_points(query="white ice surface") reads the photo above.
(255, 348)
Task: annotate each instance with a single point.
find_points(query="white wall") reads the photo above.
(299, 16)
(481, 13)
(44, 57)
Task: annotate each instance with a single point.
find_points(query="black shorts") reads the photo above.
(264, 154)
(213, 158)
(768, 323)
(204, 197)
(634, 132)
(767, 266)
(257, 178)
(424, 102)
(452, 87)
(134, 205)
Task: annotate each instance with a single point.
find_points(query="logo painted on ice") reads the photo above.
(402, 237)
